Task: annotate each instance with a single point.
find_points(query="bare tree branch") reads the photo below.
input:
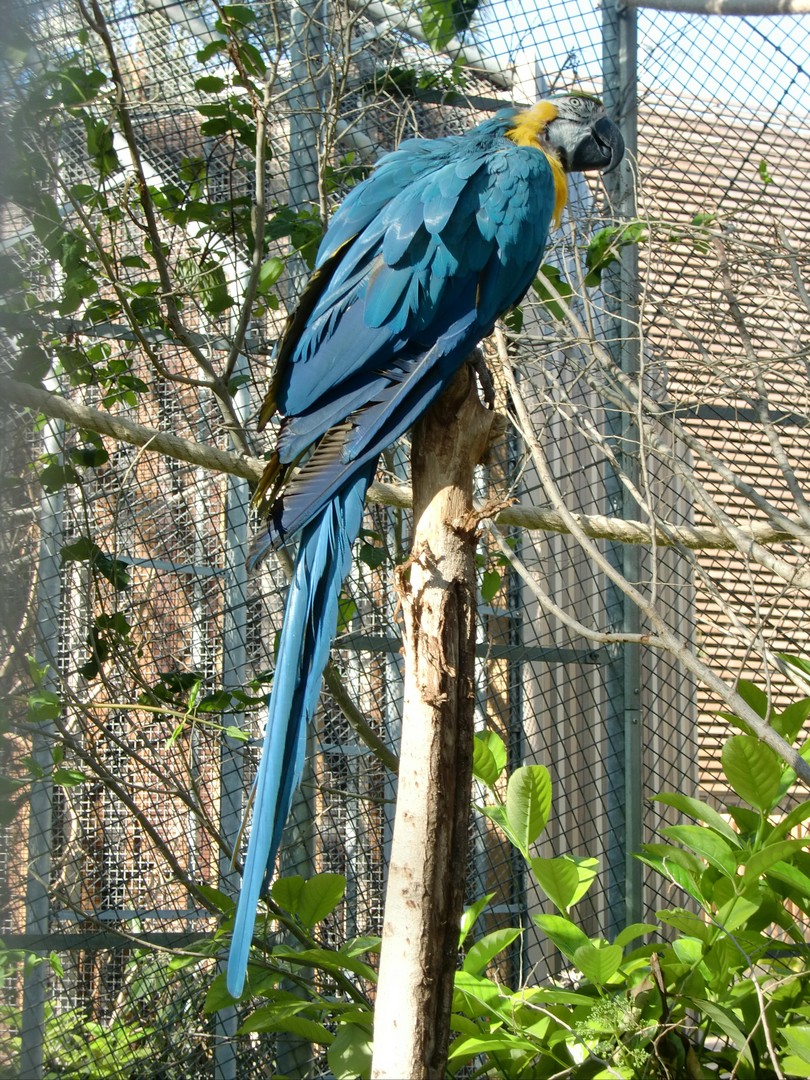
(594, 526)
(667, 640)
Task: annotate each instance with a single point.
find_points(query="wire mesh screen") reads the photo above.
(138, 651)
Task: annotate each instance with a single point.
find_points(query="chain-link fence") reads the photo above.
(137, 650)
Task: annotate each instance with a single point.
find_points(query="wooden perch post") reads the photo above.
(426, 876)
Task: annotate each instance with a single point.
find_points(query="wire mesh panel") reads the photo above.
(138, 650)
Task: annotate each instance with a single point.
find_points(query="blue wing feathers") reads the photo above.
(417, 264)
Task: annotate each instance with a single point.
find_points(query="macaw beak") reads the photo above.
(602, 148)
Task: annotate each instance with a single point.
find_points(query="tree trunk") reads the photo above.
(426, 877)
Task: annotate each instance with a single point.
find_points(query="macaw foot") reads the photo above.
(478, 363)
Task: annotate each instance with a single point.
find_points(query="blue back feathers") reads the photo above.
(418, 263)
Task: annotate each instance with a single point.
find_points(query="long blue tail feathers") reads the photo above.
(310, 619)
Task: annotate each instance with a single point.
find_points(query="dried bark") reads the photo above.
(426, 877)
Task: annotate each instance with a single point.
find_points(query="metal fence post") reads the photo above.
(307, 19)
(624, 670)
(40, 831)
(231, 751)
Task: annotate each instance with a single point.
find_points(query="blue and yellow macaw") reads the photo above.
(417, 264)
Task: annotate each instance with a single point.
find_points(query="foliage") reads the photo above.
(154, 252)
(442, 20)
(151, 1031)
(719, 985)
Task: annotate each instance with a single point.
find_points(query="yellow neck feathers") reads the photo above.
(525, 131)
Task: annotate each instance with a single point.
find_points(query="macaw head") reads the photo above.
(582, 135)
(571, 128)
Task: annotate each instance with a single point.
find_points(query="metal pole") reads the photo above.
(307, 47)
(623, 769)
(231, 751)
(306, 59)
(40, 835)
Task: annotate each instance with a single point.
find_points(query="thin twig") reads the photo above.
(595, 526)
(667, 639)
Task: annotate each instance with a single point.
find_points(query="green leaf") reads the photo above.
(319, 898)
(721, 960)
(284, 1016)
(550, 288)
(359, 946)
(86, 550)
(89, 457)
(56, 475)
(753, 770)
(705, 843)
(727, 1023)
(469, 916)
(219, 900)
(791, 876)
(217, 701)
(210, 84)
(662, 855)
(736, 912)
(217, 996)
(498, 815)
(605, 247)
(791, 720)
(796, 816)
(76, 87)
(598, 961)
(686, 922)
(566, 935)
(566, 879)
(347, 609)
(474, 995)
(761, 861)
(697, 809)
(489, 757)
(309, 901)
(68, 777)
(466, 1047)
(269, 273)
(754, 696)
(213, 289)
(31, 365)
(211, 49)
(513, 319)
(797, 1036)
(440, 21)
(682, 866)
(372, 556)
(333, 962)
(633, 931)
(9, 785)
(798, 662)
(100, 145)
(234, 16)
(528, 803)
(286, 892)
(43, 706)
(349, 1056)
(234, 732)
(490, 584)
(480, 954)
